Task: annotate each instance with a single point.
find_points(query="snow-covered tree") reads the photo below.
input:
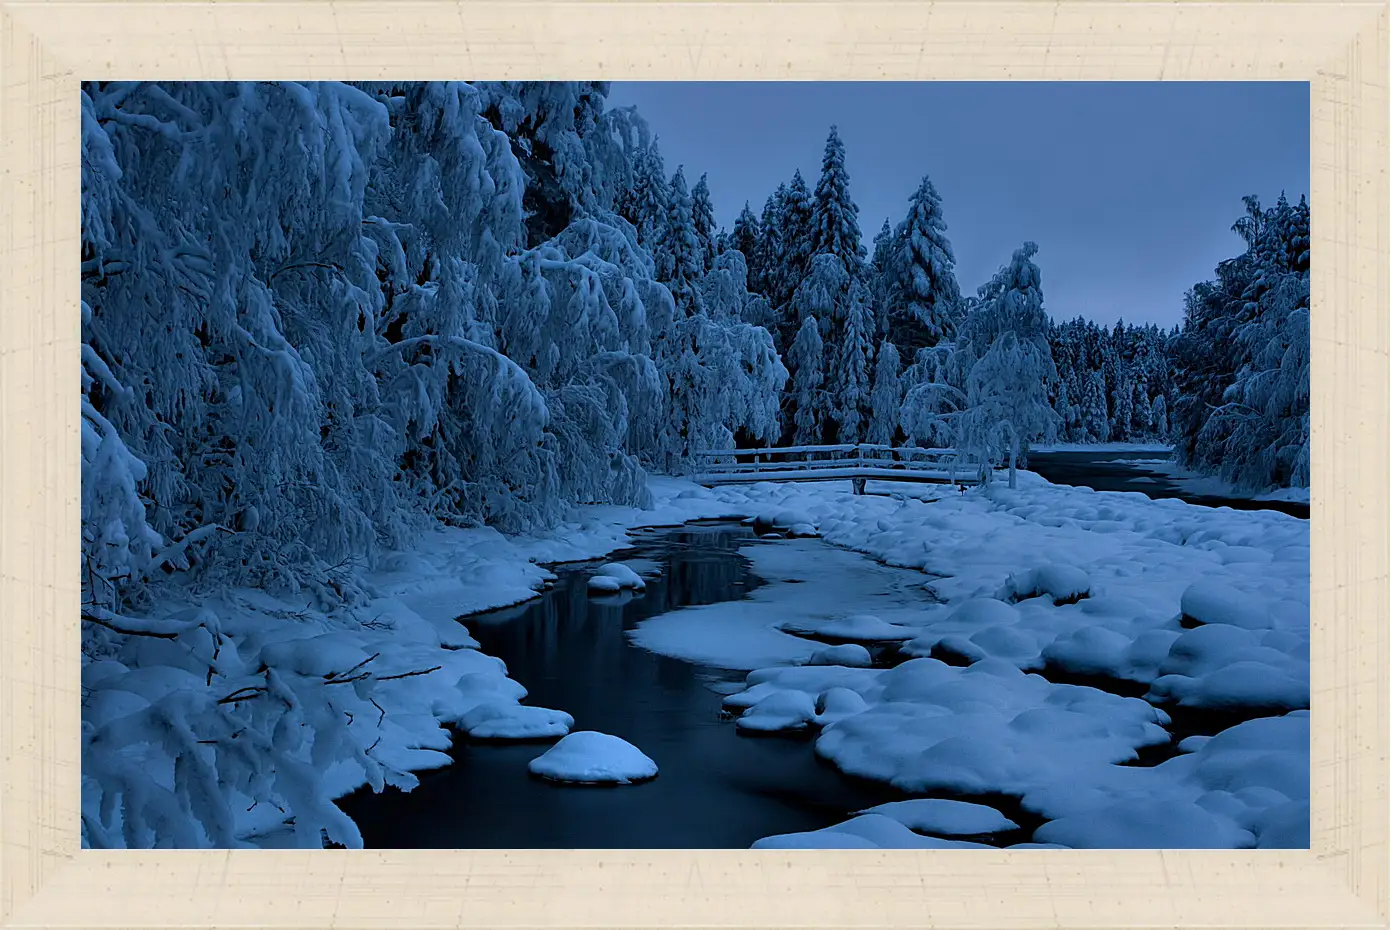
(1159, 416)
(853, 354)
(1242, 357)
(886, 397)
(703, 220)
(990, 389)
(835, 225)
(745, 239)
(807, 359)
(679, 254)
(925, 294)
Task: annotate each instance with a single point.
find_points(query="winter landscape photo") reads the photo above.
(695, 465)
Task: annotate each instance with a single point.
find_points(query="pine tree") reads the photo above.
(853, 353)
(645, 202)
(926, 294)
(1095, 420)
(886, 397)
(881, 270)
(796, 217)
(744, 238)
(835, 227)
(1007, 388)
(679, 253)
(703, 220)
(807, 359)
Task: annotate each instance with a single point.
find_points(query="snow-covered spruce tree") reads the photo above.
(823, 294)
(1241, 357)
(881, 267)
(679, 253)
(744, 238)
(1159, 417)
(924, 291)
(645, 199)
(1008, 368)
(703, 219)
(1096, 424)
(795, 242)
(886, 397)
(807, 360)
(851, 388)
(835, 225)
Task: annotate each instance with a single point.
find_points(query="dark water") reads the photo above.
(715, 788)
(1097, 470)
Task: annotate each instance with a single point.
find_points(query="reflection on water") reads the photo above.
(1108, 471)
(716, 789)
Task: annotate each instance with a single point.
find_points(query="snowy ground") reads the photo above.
(1206, 608)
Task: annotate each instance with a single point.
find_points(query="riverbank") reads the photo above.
(429, 671)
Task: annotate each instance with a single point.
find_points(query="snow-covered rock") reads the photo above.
(781, 710)
(1063, 583)
(515, 721)
(590, 758)
(615, 577)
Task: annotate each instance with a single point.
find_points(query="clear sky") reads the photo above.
(1130, 189)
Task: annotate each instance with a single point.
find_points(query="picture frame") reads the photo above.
(47, 48)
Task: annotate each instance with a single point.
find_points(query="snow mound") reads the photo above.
(515, 721)
(856, 628)
(851, 655)
(1065, 584)
(784, 521)
(782, 710)
(591, 758)
(867, 831)
(945, 818)
(838, 703)
(1209, 601)
(616, 577)
(1220, 666)
(987, 728)
(1158, 824)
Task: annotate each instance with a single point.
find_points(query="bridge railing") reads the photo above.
(855, 460)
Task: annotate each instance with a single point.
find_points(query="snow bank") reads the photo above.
(868, 831)
(590, 758)
(515, 721)
(945, 818)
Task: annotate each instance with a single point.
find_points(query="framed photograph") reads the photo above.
(643, 464)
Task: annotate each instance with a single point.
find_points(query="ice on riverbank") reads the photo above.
(589, 758)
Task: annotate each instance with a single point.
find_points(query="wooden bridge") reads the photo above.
(856, 463)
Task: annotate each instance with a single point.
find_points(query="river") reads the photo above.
(716, 788)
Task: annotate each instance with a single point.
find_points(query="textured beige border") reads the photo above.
(46, 880)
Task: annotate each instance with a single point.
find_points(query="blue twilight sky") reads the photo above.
(1130, 189)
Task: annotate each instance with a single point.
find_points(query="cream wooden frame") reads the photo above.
(47, 47)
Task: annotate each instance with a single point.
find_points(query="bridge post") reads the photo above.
(857, 485)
